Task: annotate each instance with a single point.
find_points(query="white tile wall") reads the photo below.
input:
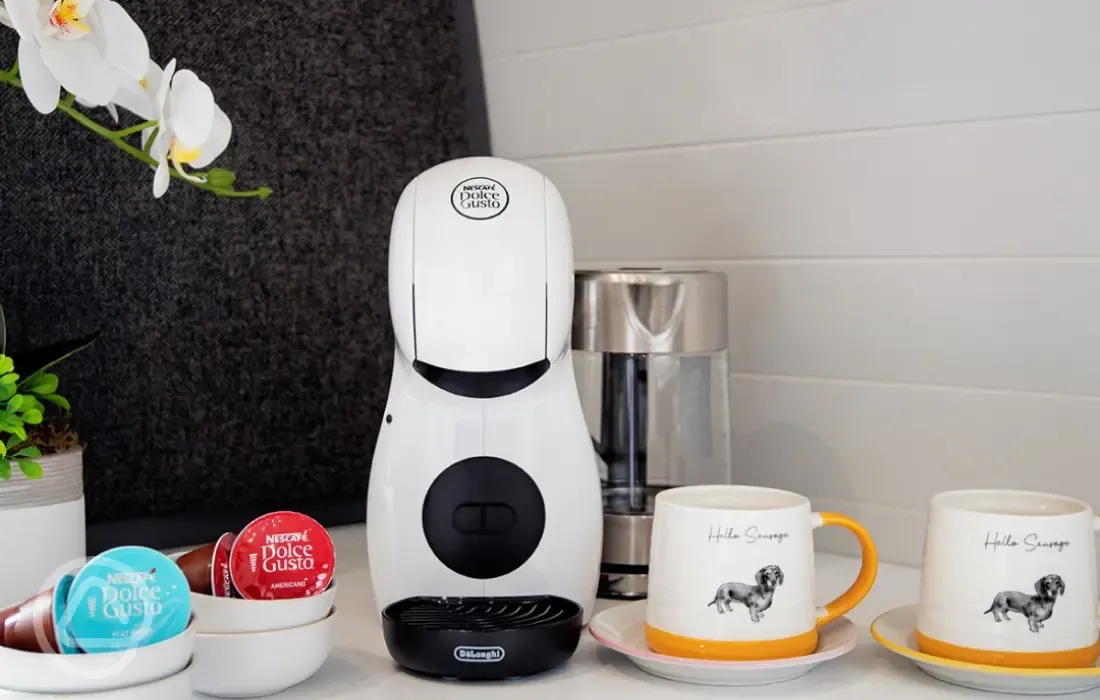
(1013, 188)
(903, 194)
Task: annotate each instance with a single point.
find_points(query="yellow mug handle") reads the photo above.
(867, 571)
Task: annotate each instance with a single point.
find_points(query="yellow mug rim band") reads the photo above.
(1083, 657)
(670, 644)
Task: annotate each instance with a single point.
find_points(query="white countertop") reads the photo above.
(360, 668)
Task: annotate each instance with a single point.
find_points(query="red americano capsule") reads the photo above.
(282, 555)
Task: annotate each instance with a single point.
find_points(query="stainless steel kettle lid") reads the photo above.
(650, 310)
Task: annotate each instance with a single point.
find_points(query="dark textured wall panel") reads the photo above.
(246, 349)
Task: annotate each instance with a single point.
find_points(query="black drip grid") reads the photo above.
(483, 614)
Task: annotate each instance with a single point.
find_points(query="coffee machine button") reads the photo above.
(483, 517)
(468, 518)
(499, 519)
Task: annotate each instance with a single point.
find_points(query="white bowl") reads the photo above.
(87, 673)
(261, 663)
(176, 687)
(238, 616)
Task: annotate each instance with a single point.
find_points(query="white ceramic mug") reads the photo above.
(1009, 579)
(731, 573)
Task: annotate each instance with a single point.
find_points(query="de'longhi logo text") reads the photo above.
(479, 655)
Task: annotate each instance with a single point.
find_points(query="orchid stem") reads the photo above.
(118, 138)
(134, 129)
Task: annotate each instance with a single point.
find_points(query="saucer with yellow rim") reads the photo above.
(895, 631)
(622, 629)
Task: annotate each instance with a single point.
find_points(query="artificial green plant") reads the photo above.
(21, 402)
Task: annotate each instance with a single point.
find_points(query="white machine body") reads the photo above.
(483, 422)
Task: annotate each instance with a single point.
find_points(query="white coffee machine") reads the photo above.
(484, 485)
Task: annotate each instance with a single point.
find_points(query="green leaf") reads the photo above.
(29, 451)
(31, 470)
(44, 383)
(6, 364)
(3, 450)
(7, 391)
(15, 403)
(13, 441)
(5, 470)
(13, 425)
(9, 378)
(44, 358)
(58, 400)
(220, 177)
(32, 417)
(30, 403)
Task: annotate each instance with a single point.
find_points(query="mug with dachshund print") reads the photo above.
(731, 574)
(1009, 579)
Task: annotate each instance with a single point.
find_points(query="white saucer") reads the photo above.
(894, 630)
(622, 629)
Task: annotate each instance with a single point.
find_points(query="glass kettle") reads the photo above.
(651, 354)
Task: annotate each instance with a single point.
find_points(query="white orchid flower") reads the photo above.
(78, 45)
(137, 96)
(191, 129)
(124, 46)
(4, 19)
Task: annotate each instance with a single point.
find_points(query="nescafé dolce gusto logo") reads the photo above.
(479, 198)
(286, 551)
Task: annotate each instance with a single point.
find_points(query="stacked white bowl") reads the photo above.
(163, 671)
(252, 648)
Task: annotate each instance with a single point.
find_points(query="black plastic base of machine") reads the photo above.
(481, 639)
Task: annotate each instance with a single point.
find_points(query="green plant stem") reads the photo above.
(66, 107)
(122, 133)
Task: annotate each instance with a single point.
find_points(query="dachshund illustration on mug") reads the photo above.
(756, 598)
(1036, 608)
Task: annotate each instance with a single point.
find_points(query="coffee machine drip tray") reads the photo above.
(482, 639)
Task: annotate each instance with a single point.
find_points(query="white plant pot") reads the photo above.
(42, 525)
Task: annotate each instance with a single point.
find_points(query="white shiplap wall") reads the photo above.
(904, 194)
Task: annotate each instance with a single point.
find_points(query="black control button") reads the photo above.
(483, 517)
(468, 519)
(499, 518)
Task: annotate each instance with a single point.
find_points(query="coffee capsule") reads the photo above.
(126, 598)
(4, 615)
(29, 626)
(65, 642)
(282, 555)
(198, 565)
(195, 565)
(35, 624)
(221, 582)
